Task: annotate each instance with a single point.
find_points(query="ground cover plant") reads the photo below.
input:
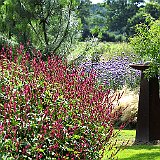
(50, 112)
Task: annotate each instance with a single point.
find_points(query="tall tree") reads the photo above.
(153, 8)
(84, 14)
(119, 11)
(47, 23)
(140, 18)
(150, 12)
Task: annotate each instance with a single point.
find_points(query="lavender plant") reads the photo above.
(115, 73)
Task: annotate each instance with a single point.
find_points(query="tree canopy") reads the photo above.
(146, 44)
(53, 25)
(47, 24)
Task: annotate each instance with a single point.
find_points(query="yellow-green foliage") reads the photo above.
(105, 51)
(117, 49)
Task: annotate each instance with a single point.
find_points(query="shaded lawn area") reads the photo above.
(140, 152)
(135, 152)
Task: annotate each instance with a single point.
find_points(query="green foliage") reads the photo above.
(84, 51)
(153, 9)
(119, 11)
(12, 25)
(105, 50)
(112, 37)
(48, 25)
(48, 111)
(98, 16)
(84, 14)
(146, 45)
(121, 49)
(150, 12)
(140, 17)
(108, 21)
(6, 41)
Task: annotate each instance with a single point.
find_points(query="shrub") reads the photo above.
(50, 112)
(146, 44)
(112, 37)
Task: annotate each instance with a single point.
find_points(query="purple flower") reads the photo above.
(114, 73)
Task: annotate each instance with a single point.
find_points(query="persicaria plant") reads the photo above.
(48, 111)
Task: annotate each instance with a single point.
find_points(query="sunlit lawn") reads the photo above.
(136, 152)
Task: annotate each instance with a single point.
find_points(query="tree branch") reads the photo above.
(66, 29)
(30, 23)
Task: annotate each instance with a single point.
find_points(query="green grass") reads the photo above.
(140, 152)
(126, 135)
(135, 152)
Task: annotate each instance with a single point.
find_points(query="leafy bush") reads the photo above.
(146, 44)
(50, 112)
(139, 18)
(4, 40)
(112, 37)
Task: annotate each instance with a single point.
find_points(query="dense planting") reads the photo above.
(50, 112)
(115, 72)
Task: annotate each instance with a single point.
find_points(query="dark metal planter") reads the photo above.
(148, 119)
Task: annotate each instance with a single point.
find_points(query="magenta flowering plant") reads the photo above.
(48, 111)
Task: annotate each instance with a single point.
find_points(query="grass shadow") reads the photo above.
(144, 156)
(140, 152)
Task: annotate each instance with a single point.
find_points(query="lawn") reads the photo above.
(136, 152)
(140, 152)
